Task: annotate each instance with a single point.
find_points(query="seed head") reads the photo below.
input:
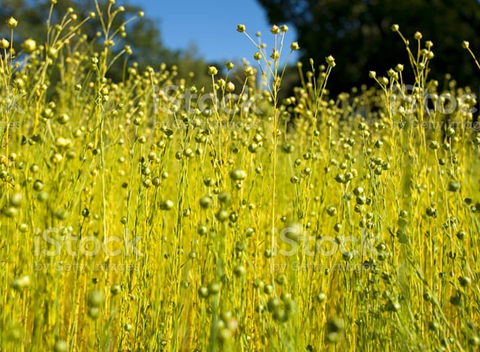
(284, 28)
(206, 202)
(372, 74)
(212, 70)
(464, 281)
(249, 72)
(332, 211)
(167, 205)
(395, 27)
(321, 297)
(434, 145)
(454, 186)
(335, 327)
(241, 28)
(275, 54)
(294, 46)
(358, 191)
(275, 29)
(60, 346)
(4, 44)
(12, 23)
(418, 36)
(465, 44)
(203, 292)
(115, 289)
(230, 87)
(29, 46)
(238, 175)
(52, 53)
(330, 61)
(230, 65)
(21, 283)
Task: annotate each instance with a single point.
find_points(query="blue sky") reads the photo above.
(211, 25)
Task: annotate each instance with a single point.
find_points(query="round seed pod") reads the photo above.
(94, 313)
(203, 292)
(60, 346)
(95, 299)
(115, 289)
(238, 175)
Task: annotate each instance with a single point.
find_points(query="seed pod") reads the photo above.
(29, 46)
(335, 327)
(212, 70)
(432, 212)
(321, 297)
(281, 279)
(238, 175)
(167, 205)
(214, 288)
(94, 313)
(332, 211)
(115, 289)
(456, 300)
(294, 46)
(454, 186)
(95, 299)
(461, 235)
(222, 215)
(239, 270)
(60, 346)
(268, 289)
(225, 198)
(464, 281)
(202, 230)
(273, 303)
(21, 283)
(12, 23)
(203, 292)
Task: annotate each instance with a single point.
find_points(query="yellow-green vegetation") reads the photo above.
(151, 214)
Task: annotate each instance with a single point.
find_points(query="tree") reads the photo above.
(142, 35)
(358, 34)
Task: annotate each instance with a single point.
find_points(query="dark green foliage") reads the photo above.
(357, 33)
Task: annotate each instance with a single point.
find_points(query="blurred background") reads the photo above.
(194, 34)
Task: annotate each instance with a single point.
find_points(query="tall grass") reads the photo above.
(135, 217)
